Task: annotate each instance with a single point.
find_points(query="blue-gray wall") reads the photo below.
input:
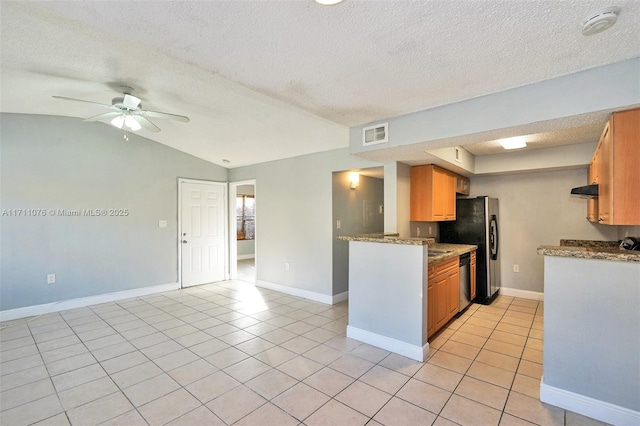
(293, 221)
(63, 163)
(348, 207)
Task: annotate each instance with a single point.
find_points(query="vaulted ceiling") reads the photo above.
(263, 80)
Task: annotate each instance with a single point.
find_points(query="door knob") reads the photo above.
(184, 241)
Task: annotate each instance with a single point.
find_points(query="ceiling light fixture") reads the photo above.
(513, 143)
(132, 123)
(600, 21)
(118, 121)
(126, 120)
(328, 2)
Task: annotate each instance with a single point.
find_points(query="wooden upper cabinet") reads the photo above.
(463, 185)
(433, 194)
(615, 165)
(592, 203)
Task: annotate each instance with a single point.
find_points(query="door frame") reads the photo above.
(233, 242)
(226, 222)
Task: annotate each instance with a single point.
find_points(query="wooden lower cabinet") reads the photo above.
(431, 301)
(443, 297)
(473, 275)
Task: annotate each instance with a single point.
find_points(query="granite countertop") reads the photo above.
(453, 250)
(587, 249)
(388, 239)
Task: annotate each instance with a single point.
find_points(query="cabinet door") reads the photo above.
(473, 276)
(604, 176)
(421, 203)
(592, 203)
(433, 194)
(625, 153)
(450, 197)
(431, 303)
(441, 308)
(453, 288)
(439, 192)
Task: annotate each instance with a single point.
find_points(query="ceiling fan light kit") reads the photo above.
(127, 112)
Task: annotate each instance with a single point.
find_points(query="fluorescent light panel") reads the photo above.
(513, 143)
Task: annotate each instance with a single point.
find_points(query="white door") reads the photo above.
(202, 230)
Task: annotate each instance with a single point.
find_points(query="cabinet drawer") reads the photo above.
(447, 265)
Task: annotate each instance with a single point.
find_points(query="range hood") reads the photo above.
(588, 191)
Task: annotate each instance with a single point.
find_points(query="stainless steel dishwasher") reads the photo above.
(465, 281)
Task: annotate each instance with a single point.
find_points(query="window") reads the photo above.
(245, 217)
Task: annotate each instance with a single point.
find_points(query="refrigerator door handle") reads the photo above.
(493, 237)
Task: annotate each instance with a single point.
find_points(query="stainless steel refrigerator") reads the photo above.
(477, 223)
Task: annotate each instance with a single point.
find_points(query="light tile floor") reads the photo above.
(230, 353)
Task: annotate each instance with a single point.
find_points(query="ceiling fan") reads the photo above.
(127, 112)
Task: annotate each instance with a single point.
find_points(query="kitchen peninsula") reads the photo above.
(388, 296)
(592, 330)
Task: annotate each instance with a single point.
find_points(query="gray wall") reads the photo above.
(397, 197)
(63, 163)
(536, 209)
(348, 208)
(294, 217)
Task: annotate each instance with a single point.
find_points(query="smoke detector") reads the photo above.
(600, 21)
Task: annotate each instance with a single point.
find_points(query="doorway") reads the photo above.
(242, 216)
(202, 232)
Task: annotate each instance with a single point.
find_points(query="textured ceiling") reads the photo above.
(263, 80)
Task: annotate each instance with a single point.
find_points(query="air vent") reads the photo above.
(375, 134)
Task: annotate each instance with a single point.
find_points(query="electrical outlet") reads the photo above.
(430, 231)
(516, 268)
(418, 231)
(51, 278)
(162, 224)
(287, 266)
(338, 224)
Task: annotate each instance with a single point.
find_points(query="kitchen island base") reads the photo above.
(592, 335)
(396, 346)
(387, 297)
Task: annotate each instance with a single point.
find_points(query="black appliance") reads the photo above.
(465, 281)
(588, 191)
(477, 223)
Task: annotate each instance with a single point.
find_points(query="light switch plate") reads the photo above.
(162, 224)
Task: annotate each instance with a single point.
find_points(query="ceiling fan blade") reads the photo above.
(146, 123)
(131, 101)
(82, 100)
(167, 116)
(101, 116)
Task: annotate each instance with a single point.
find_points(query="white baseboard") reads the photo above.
(340, 297)
(523, 294)
(405, 349)
(246, 256)
(81, 302)
(590, 407)
(311, 295)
